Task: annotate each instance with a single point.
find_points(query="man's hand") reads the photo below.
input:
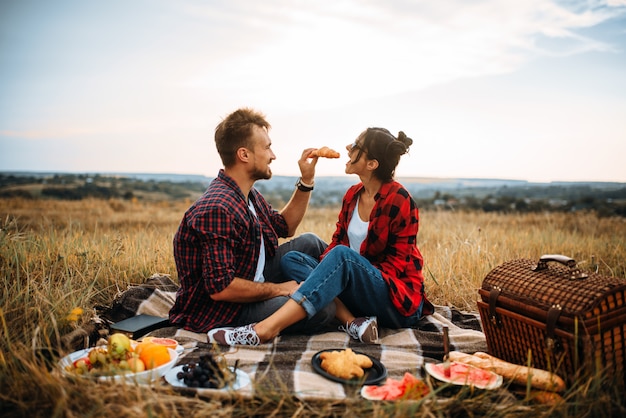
(247, 291)
(289, 287)
(307, 166)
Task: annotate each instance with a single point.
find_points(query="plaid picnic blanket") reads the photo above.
(285, 363)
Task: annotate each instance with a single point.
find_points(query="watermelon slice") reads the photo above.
(410, 387)
(465, 375)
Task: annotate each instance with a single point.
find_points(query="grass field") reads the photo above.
(59, 255)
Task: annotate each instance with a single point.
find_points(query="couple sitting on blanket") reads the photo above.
(240, 286)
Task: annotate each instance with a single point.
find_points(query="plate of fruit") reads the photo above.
(121, 359)
(208, 372)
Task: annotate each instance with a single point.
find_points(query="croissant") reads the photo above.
(345, 364)
(325, 152)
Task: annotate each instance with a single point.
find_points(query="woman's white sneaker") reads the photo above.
(364, 329)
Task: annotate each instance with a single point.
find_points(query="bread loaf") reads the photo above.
(522, 375)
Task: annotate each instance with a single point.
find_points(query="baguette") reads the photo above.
(325, 152)
(546, 397)
(522, 375)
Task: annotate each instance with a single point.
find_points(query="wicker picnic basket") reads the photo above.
(557, 317)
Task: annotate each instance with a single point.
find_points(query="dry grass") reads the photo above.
(57, 255)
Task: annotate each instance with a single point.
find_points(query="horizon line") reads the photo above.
(129, 173)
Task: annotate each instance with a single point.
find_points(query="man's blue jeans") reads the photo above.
(306, 243)
(345, 274)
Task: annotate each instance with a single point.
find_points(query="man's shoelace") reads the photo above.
(244, 336)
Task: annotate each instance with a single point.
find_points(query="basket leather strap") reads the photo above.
(553, 317)
(493, 298)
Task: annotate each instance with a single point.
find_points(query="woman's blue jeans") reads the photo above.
(345, 274)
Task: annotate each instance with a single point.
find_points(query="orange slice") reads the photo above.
(167, 342)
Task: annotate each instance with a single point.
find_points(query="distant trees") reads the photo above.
(531, 204)
(605, 201)
(82, 186)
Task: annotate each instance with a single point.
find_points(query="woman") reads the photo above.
(371, 270)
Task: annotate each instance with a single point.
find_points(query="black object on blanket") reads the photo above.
(139, 325)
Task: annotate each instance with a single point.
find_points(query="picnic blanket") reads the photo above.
(285, 363)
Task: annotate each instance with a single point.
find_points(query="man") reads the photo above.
(226, 247)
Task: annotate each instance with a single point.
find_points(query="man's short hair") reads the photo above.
(235, 131)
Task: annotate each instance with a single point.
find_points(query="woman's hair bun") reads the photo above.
(405, 140)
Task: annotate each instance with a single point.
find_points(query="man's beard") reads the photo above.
(262, 175)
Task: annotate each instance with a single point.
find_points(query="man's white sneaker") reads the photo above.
(245, 335)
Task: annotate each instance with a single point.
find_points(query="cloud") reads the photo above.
(336, 53)
(289, 54)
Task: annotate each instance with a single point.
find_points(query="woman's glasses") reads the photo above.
(355, 145)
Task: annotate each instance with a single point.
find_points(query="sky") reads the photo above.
(502, 89)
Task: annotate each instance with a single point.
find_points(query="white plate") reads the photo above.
(493, 383)
(366, 396)
(141, 377)
(241, 380)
